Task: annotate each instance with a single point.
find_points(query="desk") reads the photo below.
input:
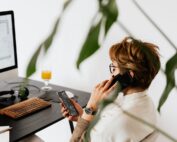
(40, 120)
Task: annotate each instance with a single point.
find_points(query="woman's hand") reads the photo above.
(65, 111)
(100, 92)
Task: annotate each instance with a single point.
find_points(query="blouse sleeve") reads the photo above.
(79, 130)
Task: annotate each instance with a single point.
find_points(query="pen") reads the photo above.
(5, 130)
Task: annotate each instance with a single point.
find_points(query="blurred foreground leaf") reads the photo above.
(31, 68)
(91, 44)
(46, 44)
(110, 13)
(48, 41)
(171, 66)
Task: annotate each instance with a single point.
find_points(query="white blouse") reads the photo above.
(116, 126)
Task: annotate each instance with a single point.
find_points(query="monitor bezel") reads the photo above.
(11, 13)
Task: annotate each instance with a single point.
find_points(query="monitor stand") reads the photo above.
(8, 75)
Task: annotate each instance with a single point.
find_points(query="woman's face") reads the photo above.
(114, 68)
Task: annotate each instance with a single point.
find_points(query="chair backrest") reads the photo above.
(151, 137)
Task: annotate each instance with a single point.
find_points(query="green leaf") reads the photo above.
(31, 68)
(49, 39)
(171, 66)
(45, 44)
(110, 12)
(67, 2)
(91, 44)
(108, 24)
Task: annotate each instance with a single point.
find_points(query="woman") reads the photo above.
(140, 60)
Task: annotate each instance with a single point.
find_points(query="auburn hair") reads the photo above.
(140, 57)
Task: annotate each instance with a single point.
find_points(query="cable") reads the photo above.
(28, 86)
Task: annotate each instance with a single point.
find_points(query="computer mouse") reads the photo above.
(70, 94)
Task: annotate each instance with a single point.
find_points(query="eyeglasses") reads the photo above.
(112, 68)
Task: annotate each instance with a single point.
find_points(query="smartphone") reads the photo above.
(67, 103)
(125, 80)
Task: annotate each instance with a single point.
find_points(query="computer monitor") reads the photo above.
(8, 52)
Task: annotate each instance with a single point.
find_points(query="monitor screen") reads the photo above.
(8, 55)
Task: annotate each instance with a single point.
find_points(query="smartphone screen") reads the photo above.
(67, 103)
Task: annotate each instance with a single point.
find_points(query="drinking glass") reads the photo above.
(46, 75)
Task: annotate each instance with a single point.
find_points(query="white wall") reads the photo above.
(34, 20)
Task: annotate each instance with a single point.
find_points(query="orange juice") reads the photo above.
(46, 75)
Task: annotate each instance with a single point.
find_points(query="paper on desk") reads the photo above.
(4, 137)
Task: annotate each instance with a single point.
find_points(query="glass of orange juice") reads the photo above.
(46, 75)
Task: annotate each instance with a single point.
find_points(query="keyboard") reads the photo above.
(24, 108)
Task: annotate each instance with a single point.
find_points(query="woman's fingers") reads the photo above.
(62, 105)
(110, 90)
(101, 84)
(66, 113)
(77, 106)
(72, 118)
(97, 85)
(108, 83)
(74, 102)
(64, 110)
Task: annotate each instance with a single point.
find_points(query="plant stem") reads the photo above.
(148, 124)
